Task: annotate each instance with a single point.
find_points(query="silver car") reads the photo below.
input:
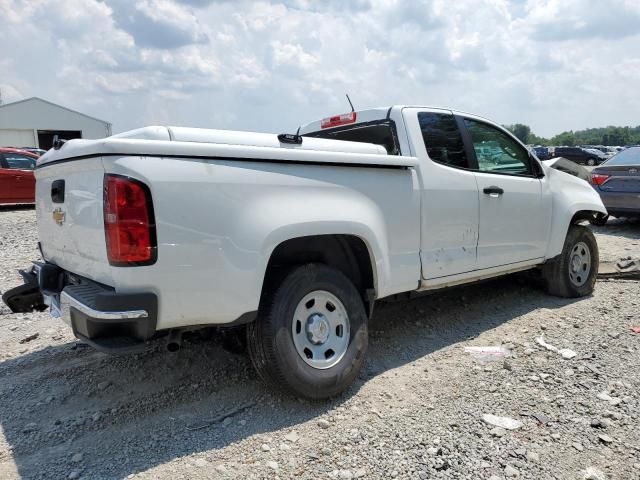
(618, 182)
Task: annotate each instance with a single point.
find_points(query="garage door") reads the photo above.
(17, 138)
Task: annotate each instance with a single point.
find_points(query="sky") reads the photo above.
(555, 65)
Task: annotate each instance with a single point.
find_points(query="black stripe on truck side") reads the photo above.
(233, 159)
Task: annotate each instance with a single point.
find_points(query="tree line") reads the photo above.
(609, 136)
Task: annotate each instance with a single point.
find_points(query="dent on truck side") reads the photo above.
(570, 195)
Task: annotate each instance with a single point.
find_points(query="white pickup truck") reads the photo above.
(164, 230)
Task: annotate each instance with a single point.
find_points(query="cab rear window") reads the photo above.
(380, 133)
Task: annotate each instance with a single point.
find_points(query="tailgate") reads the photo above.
(70, 223)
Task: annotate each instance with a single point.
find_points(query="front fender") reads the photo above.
(570, 195)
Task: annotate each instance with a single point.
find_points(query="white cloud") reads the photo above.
(271, 65)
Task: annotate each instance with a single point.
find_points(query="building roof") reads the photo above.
(30, 99)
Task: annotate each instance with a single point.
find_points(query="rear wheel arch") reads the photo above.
(349, 254)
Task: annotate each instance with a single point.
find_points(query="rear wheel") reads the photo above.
(310, 338)
(573, 273)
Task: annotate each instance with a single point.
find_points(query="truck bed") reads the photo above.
(223, 201)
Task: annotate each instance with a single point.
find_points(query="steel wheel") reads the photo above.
(320, 329)
(579, 264)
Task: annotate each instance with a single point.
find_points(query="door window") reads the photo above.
(442, 139)
(496, 151)
(17, 161)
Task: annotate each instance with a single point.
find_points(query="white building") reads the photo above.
(34, 122)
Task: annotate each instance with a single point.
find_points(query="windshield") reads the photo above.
(630, 156)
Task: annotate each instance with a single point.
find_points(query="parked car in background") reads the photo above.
(618, 182)
(580, 155)
(543, 153)
(599, 153)
(17, 182)
(607, 151)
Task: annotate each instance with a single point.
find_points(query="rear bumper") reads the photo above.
(98, 315)
(621, 203)
(106, 320)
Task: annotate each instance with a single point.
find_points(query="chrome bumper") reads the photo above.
(67, 302)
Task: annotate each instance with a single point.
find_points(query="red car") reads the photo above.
(17, 182)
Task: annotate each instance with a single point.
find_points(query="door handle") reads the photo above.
(493, 191)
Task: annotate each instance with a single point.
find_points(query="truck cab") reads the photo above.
(477, 181)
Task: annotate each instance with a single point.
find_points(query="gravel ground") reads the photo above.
(421, 408)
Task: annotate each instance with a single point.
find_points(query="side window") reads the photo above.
(496, 151)
(19, 162)
(442, 139)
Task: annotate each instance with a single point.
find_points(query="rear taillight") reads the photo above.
(337, 120)
(598, 179)
(129, 225)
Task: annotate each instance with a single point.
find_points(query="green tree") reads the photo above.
(564, 138)
(523, 132)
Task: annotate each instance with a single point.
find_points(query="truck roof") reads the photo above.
(371, 115)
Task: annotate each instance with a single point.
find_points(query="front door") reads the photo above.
(514, 218)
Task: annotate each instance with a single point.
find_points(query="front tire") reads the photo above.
(573, 274)
(310, 337)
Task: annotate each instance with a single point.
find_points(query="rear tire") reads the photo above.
(573, 273)
(310, 337)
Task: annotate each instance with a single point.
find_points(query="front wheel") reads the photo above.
(573, 273)
(310, 337)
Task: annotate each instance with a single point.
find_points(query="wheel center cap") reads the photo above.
(575, 263)
(317, 328)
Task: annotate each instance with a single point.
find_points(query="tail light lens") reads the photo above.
(598, 179)
(129, 224)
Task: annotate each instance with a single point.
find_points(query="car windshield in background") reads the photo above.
(630, 156)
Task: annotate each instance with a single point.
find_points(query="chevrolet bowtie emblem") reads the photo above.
(58, 216)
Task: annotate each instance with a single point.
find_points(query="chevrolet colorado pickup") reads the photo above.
(163, 230)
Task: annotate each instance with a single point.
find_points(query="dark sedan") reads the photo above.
(618, 182)
(579, 155)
